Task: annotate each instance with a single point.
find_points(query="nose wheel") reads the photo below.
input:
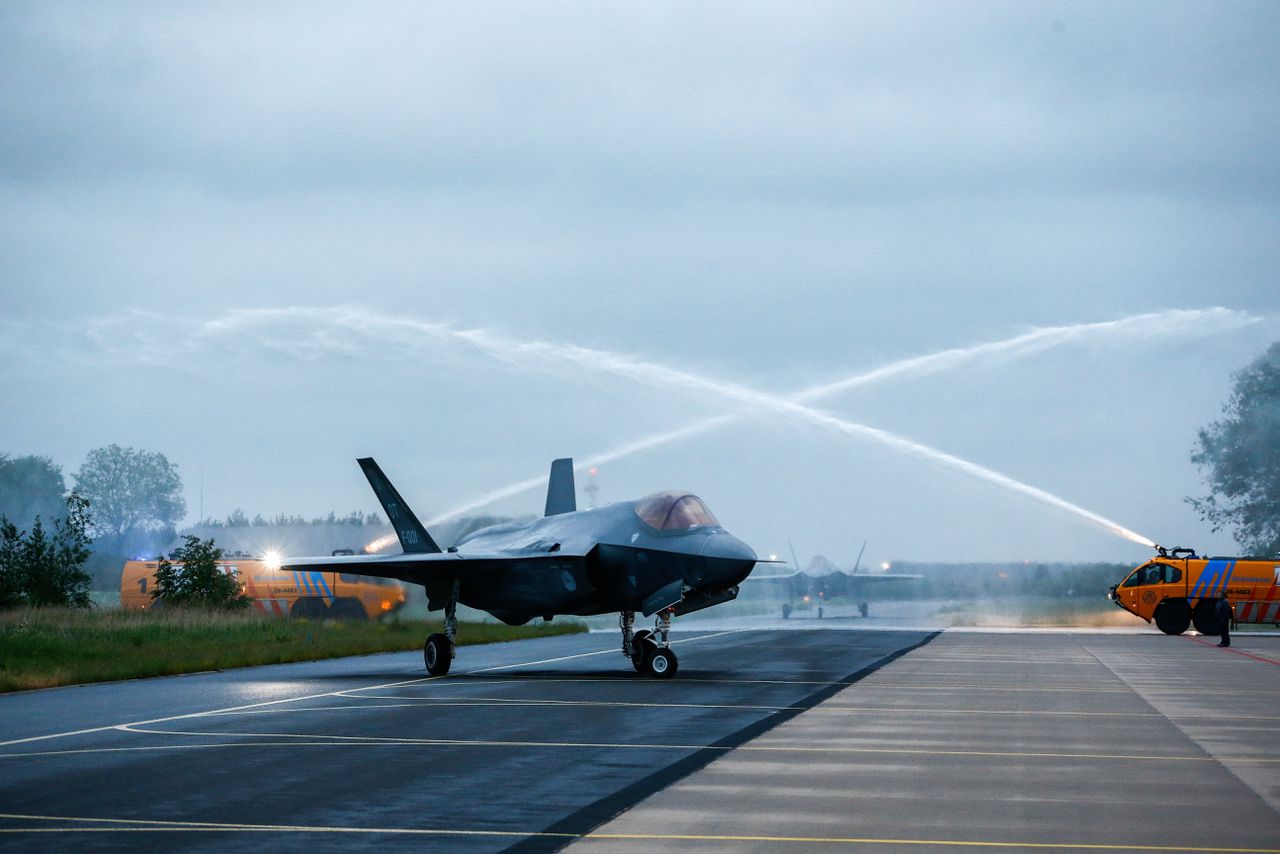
(661, 663)
(650, 652)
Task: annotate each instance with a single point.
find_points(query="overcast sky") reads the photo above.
(265, 239)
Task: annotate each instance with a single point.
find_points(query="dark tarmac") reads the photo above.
(765, 740)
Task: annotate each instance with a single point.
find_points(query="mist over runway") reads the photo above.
(870, 738)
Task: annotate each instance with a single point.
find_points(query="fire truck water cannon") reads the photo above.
(1176, 553)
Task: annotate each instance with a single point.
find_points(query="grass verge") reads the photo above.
(47, 647)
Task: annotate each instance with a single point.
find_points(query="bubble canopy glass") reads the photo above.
(675, 510)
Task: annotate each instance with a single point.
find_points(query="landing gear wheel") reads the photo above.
(640, 645)
(661, 663)
(1205, 619)
(437, 654)
(1173, 616)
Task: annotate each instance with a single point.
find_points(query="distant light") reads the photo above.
(380, 544)
(593, 471)
(886, 566)
(386, 606)
(272, 559)
(773, 557)
(806, 598)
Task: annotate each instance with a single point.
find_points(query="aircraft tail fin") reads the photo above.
(561, 497)
(413, 536)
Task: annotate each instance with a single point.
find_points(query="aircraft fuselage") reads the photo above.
(594, 562)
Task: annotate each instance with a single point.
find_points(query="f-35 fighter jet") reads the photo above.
(662, 555)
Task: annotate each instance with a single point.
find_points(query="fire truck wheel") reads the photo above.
(1173, 616)
(348, 609)
(1206, 622)
(308, 607)
(437, 654)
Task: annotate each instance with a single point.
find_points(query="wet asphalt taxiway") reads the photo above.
(765, 740)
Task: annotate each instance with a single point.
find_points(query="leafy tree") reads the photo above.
(29, 487)
(36, 569)
(130, 489)
(13, 570)
(198, 580)
(1241, 458)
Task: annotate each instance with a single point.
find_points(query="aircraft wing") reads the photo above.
(425, 567)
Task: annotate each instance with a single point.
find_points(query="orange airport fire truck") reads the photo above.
(313, 594)
(1178, 588)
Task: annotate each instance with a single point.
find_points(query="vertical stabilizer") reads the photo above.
(561, 497)
(413, 536)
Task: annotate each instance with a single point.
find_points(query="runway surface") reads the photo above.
(765, 740)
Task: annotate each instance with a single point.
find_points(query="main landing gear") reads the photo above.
(440, 648)
(650, 652)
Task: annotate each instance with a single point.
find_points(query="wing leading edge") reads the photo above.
(426, 568)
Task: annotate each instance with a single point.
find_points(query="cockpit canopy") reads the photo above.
(675, 510)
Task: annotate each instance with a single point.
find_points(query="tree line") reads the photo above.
(52, 541)
(135, 495)
(238, 519)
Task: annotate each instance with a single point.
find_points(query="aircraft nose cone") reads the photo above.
(726, 561)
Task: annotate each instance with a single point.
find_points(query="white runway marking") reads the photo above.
(340, 693)
(91, 730)
(331, 741)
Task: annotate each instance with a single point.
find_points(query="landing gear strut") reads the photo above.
(650, 652)
(438, 651)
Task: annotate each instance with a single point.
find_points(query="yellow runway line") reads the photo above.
(281, 739)
(823, 708)
(109, 825)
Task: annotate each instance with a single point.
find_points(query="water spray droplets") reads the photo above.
(550, 356)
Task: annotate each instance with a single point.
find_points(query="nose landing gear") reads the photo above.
(650, 652)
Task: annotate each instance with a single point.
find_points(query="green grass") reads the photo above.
(46, 647)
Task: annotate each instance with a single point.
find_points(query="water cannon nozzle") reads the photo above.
(1176, 552)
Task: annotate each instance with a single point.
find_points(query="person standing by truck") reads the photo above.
(1222, 610)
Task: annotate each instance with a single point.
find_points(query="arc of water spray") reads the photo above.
(662, 376)
(1033, 341)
